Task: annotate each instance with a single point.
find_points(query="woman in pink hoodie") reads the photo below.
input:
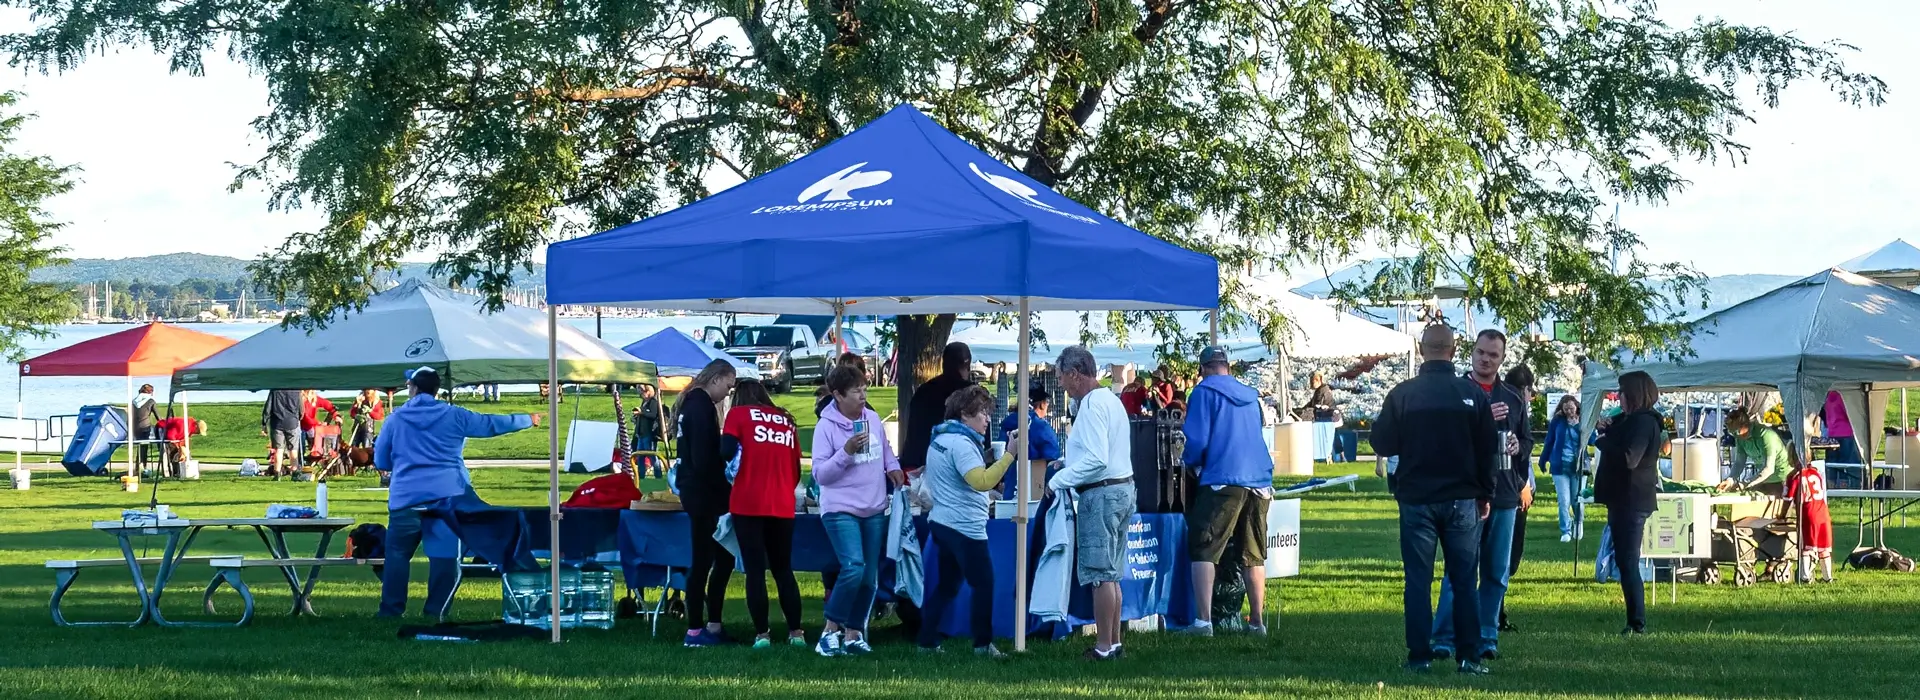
(853, 464)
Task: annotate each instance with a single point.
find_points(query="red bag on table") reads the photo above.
(610, 491)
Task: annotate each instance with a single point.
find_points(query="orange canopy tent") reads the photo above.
(152, 350)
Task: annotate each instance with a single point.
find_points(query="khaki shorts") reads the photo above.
(1100, 533)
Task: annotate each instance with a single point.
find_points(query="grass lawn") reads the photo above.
(1339, 634)
(234, 428)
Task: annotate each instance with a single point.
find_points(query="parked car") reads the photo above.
(786, 354)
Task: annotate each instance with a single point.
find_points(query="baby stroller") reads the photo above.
(1759, 539)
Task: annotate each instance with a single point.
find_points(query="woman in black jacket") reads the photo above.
(705, 493)
(1628, 477)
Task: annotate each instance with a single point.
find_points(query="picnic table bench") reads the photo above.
(228, 569)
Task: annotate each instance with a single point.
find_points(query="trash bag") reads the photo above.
(1229, 586)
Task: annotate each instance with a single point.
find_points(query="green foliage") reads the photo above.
(1485, 136)
(27, 308)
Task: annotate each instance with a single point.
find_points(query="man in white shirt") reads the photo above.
(1098, 467)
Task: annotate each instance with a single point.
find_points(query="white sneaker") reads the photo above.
(1566, 538)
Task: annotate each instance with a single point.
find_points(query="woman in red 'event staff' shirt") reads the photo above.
(768, 447)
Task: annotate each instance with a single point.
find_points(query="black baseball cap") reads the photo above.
(1214, 354)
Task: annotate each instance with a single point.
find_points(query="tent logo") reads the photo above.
(835, 192)
(419, 347)
(1027, 195)
(26, 369)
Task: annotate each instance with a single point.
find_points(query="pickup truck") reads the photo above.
(785, 353)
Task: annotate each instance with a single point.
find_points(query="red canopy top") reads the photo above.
(152, 350)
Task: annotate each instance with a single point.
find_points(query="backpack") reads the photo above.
(609, 491)
(1880, 558)
(368, 541)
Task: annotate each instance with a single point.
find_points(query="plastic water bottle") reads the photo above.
(320, 498)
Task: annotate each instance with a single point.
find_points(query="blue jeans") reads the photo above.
(1566, 490)
(857, 542)
(1496, 569)
(405, 527)
(1455, 527)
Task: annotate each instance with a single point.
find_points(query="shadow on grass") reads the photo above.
(358, 657)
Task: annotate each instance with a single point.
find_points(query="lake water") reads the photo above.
(50, 396)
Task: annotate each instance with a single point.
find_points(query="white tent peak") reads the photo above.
(1832, 331)
(1897, 263)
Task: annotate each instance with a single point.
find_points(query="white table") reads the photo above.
(1886, 503)
(180, 534)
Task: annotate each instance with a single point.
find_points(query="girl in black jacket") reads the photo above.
(1626, 481)
(705, 493)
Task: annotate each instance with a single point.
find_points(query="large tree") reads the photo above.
(28, 309)
(1485, 135)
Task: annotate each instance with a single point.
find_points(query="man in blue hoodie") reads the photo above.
(421, 446)
(1236, 484)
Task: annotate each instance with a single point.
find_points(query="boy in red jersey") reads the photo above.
(1807, 489)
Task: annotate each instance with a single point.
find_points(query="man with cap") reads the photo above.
(1236, 484)
(1043, 444)
(421, 447)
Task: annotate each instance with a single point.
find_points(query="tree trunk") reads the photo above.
(918, 344)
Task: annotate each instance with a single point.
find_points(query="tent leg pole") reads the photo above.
(1023, 481)
(186, 438)
(553, 465)
(132, 468)
(20, 418)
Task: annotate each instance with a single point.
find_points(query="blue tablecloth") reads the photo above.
(586, 534)
(664, 539)
(1323, 440)
(1156, 581)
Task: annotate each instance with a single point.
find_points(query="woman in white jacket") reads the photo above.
(960, 477)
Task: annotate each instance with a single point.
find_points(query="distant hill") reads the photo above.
(172, 268)
(175, 268)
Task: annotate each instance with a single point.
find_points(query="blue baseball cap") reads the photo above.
(419, 370)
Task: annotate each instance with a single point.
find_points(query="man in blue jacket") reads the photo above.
(421, 445)
(1236, 484)
(1043, 444)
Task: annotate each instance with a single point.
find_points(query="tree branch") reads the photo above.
(668, 78)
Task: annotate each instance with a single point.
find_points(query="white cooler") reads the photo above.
(1293, 449)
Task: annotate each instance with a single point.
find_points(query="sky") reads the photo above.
(1824, 181)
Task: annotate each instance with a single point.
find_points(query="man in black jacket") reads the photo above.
(1510, 487)
(1440, 426)
(929, 406)
(280, 423)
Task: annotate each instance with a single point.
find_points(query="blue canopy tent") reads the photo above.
(676, 354)
(804, 239)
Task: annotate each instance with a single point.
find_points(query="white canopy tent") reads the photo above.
(411, 325)
(1834, 331)
(1896, 263)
